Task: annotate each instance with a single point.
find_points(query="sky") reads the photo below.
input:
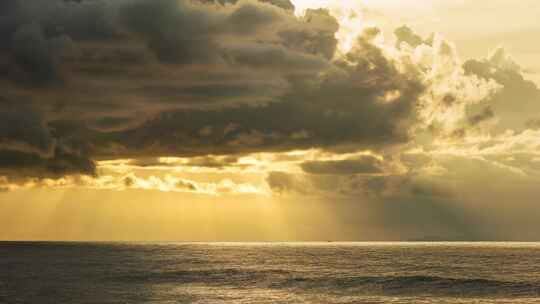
(269, 120)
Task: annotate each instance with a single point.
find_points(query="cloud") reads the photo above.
(207, 83)
(23, 128)
(107, 81)
(407, 35)
(451, 91)
(78, 71)
(518, 100)
(477, 119)
(207, 162)
(361, 188)
(327, 114)
(285, 183)
(361, 165)
(177, 32)
(132, 181)
(19, 165)
(533, 123)
(33, 53)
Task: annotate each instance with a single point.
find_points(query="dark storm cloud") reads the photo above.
(23, 128)
(111, 123)
(317, 38)
(16, 164)
(214, 162)
(344, 109)
(180, 32)
(140, 78)
(176, 32)
(285, 4)
(32, 52)
(361, 165)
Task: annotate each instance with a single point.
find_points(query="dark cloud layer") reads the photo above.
(21, 164)
(361, 165)
(89, 80)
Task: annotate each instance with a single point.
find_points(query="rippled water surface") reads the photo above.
(269, 273)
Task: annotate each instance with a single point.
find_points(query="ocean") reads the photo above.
(34, 272)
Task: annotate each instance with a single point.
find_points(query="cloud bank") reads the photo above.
(213, 83)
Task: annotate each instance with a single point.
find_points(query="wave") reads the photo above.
(367, 285)
(420, 285)
(206, 276)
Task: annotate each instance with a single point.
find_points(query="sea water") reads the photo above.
(36, 272)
